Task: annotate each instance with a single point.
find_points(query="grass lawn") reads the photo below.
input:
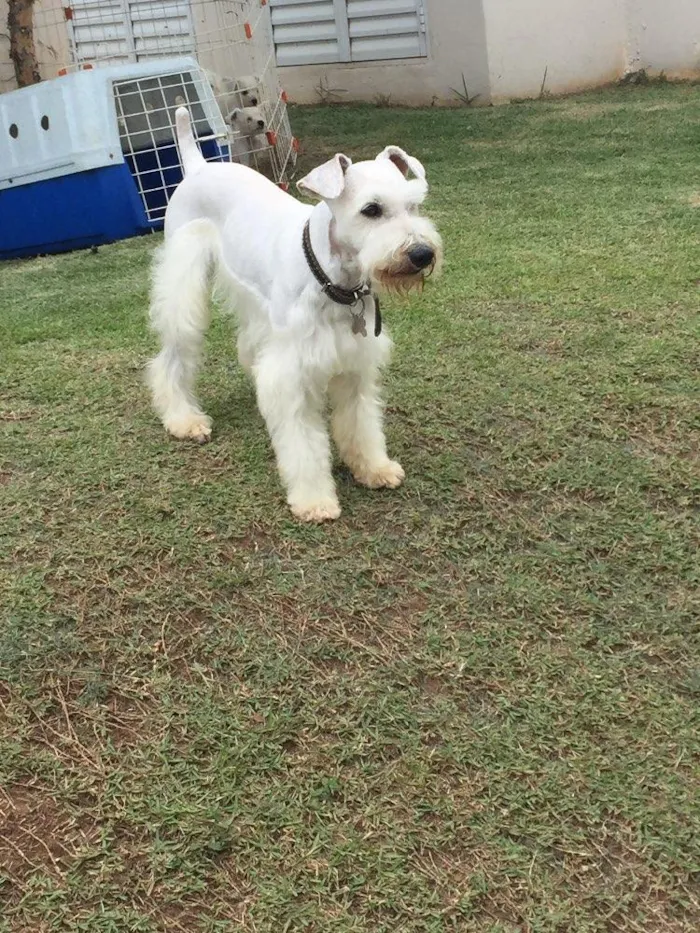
(469, 705)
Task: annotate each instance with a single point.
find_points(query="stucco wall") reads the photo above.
(579, 43)
(502, 48)
(456, 47)
(664, 35)
(585, 43)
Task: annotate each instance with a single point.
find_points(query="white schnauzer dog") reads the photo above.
(303, 282)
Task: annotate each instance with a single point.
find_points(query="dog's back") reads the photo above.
(223, 192)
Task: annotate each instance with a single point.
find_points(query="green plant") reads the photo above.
(464, 95)
(326, 94)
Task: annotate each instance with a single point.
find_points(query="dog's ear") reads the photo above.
(403, 161)
(328, 180)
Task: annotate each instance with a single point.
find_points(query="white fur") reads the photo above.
(297, 344)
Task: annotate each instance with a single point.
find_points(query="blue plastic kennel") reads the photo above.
(90, 157)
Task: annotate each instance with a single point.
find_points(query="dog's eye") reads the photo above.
(372, 210)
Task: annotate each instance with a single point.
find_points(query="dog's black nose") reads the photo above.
(421, 256)
(253, 101)
(261, 123)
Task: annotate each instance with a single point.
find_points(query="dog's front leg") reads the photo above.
(293, 411)
(358, 431)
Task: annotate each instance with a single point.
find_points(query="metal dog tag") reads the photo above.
(358, 324)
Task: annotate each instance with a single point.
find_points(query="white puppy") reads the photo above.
(247, 134)
(302, 280)
(248, 89)
(234, 92)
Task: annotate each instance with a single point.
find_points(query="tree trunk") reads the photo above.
(20, 25)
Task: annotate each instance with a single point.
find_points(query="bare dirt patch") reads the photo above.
(38, 835)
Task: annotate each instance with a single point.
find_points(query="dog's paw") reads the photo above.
(388, 475)
(196, 428)
(323, 511)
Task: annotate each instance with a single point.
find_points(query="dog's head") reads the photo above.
(247, 87)
(248, 121)
(376, 216)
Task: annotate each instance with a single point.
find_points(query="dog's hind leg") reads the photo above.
(180, 314)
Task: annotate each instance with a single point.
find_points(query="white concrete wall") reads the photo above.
(504, 46)
(586, 43)
(579, 42)
(456, 46)
(664, 35)
(501, 46)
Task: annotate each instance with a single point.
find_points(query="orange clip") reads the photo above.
(248, 30)
(68, 12)
(284, 185)
(62, 72)
(87, 67)
(271, 137)
(284, 97)
(295, 144)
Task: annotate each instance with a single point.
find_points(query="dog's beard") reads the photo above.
(399, 275)
(390, 280)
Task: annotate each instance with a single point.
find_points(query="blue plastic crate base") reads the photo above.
(90, 158)
(71, 212)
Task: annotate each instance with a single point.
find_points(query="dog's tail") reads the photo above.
(192, 158)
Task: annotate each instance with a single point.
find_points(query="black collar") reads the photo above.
(337, 293)
(342, 296)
